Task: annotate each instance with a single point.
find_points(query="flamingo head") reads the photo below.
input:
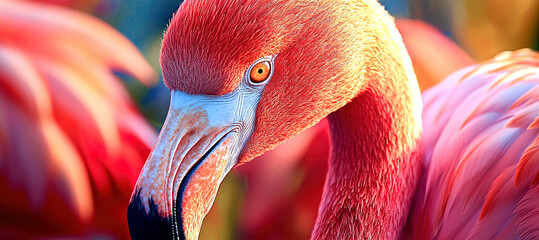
(244, 76)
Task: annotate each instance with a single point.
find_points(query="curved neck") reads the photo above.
(375, 160)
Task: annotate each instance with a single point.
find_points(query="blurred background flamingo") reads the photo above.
(34, 89)
(71, 141)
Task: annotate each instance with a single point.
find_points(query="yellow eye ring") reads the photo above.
(260, 72)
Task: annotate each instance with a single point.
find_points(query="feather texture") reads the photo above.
(481, 143)
(71, 141)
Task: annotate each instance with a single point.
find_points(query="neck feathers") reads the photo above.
(375, 159)
(372, 175)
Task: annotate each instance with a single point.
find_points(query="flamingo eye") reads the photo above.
(260, 72)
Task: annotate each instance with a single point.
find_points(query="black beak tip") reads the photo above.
(148, 225)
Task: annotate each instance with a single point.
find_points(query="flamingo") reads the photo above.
(271, 211)
(71, 141)
(247, 75)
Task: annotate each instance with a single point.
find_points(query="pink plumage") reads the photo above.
(466, 168)
(71, 140)
(480, 151)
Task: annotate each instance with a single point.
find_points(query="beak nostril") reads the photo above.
(196, 148)
(190, 133)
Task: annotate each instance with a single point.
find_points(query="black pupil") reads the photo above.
(260, 71)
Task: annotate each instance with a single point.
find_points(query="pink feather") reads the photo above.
(483, 149)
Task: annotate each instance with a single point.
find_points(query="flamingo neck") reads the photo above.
(375, 162)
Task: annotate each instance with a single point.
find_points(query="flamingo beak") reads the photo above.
(199, 143)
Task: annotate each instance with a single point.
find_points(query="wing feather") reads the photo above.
(481, 140)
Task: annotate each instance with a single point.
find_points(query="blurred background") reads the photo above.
(82, 101)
